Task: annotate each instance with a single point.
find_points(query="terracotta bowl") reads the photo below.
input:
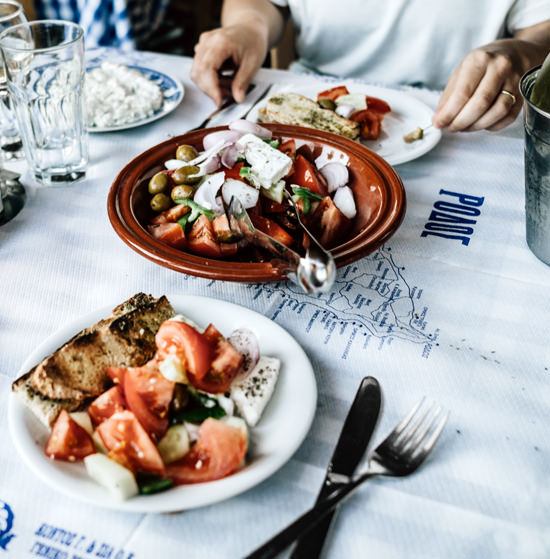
(378, 190)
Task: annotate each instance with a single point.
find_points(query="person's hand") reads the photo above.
(483, 92)
(243, 44)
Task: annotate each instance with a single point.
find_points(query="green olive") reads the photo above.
(182, 191)
(186, 153)
(160, 202)
(326, 103)
(158, 183)
(183, 175)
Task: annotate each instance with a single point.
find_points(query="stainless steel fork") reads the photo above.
(399, 454)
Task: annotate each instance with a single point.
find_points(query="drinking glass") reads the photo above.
(45, 67)
(11, 13)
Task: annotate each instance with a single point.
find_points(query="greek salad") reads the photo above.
(181, 418)
(189, 197)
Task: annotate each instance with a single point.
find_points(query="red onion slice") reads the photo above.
(225, 136)
(336, 174)
(209, 166)
(248, 195)
(230, 155)
(206, 194)
(248, 127)
(246, 343)
(344, 201)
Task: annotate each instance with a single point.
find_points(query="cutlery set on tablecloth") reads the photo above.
(398, 455)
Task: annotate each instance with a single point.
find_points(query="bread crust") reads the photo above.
(75, 373)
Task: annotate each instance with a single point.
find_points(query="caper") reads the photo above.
(182, 191)
(326, 103)
(186, 153)
(158, 183)
(160, 202)
(183, 175)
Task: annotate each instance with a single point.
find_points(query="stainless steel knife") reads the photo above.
(352, 443)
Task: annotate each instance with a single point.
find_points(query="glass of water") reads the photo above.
(45, 67)
(11, 13)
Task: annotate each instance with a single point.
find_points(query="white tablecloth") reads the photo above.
(470, 329)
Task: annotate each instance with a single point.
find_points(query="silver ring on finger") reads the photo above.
(510, 94)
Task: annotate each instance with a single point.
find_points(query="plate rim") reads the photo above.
(435, 134)
(180, 91)
(171, 501)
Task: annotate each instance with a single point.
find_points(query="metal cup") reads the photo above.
(45, 67)
(537, 171)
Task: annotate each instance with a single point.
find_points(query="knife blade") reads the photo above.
(352, 443)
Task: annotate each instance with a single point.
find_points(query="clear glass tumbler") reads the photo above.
(45, 67)
(11, 13)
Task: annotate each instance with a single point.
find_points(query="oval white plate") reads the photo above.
(407, 113)
(172, 91)
(273, 441)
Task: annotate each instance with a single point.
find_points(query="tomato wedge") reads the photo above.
(333, 93)
(307, 175)
(129, 444)
(370, 121)
(219, 451)
(377, 105)
(107, 404)
(201, 238)
(68, 440)
(194, 350)
(222, 231)
(116, 374)
(171, 234)
(328, 223)
(148, 395)
(171, 215)
(288, 147)
(225, 365)
(234, 172)
(272, 229)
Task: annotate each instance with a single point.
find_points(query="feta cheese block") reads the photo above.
(252, 393)
(267, 164)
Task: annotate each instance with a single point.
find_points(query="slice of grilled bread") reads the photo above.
(75, 373)
(292, 108)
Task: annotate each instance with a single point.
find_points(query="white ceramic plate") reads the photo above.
(407, 114)
(172, 91)
(273, 441)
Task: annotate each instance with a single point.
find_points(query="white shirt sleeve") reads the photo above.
(280, 3)
(525, 13)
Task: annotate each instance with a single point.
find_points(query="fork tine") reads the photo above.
(415, 437)
(402, 425)
(423, 450)
(411, 431)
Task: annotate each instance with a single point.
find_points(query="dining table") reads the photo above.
(453, 306)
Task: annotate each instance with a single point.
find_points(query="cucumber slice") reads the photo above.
(84, 420)
(98, 443)
(111, 475)
(175, 444)
(172, 369)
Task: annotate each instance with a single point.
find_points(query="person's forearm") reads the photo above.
(261, 14)
(536, 40)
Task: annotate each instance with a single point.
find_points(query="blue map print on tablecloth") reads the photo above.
(6, 525)
(371, 296)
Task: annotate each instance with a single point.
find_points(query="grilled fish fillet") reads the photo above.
(292, 108)
(75, 373)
